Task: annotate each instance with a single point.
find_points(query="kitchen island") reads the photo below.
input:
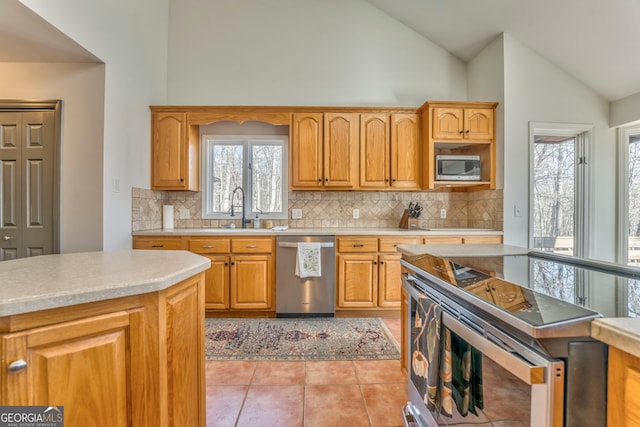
(116, 338)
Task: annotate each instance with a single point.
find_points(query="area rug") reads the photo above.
(299, 339)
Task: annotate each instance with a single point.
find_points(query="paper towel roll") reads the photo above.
(167, 217)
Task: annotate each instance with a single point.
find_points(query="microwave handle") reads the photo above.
(527, 372)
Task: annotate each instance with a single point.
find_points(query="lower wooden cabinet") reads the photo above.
(462, 239)
(369, 271)
(132, 361)
(623, 402)
(252, 282)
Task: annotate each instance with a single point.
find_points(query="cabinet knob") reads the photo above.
(386, 180)
(375, 262)
(326, 179)
(209, 246)
(381, 262)
(233, 263)
(394, 180)
(461, 132)
(319, 179)
(17, 365)
(226, 263)
(181, 179)
(466, 131)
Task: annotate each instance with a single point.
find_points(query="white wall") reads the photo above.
(130, 37)
(81, 87)
(625, 110)
(302, 52)
(538, 91)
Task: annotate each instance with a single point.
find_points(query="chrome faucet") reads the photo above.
(233, 195)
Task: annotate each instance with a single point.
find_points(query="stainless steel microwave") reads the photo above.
(453, 167)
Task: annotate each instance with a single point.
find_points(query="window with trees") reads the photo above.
(559, 182)
(255, 164)
(629, 195)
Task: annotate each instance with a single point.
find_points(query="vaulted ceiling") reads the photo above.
(596, 41)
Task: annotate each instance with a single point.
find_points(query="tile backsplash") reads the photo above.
(477, 209)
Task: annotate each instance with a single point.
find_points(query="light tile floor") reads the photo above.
(307, 393)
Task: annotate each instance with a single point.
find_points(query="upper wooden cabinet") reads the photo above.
(463, 128)
(174, 152)
(389, 151)
(324, 150)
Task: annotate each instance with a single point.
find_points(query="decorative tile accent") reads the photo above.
(478, 209)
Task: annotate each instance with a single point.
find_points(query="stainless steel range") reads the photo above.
(527, 319)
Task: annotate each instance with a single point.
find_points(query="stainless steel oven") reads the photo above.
(533, 373)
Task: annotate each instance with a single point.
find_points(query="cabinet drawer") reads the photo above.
(355, 244)
(470, 240)
(252, 245)
(210, 246)
(158, 243)
(389, 244)
(442, 240)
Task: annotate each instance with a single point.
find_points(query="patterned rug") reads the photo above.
(299, 339)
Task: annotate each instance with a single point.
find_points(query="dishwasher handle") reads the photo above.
(295, 244)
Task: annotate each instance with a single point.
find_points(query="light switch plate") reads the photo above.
(296, 213)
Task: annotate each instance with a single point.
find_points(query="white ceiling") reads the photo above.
(596, 41)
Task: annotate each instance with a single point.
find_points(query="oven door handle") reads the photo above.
(526, 371)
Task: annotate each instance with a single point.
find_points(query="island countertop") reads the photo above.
(52, 281)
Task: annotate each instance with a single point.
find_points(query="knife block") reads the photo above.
(408, 222)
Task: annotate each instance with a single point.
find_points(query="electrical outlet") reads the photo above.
(184, 213)
(443, 213)
(356, 213)
(296, 213)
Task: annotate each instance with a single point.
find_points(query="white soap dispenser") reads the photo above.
(256, 222)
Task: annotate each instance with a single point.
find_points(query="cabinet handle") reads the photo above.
(17, 366)
(5, 238)
(252, 246)
(157, 246)
(358, 245)
(209, 246)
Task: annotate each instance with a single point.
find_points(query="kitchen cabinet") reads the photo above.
(459, 128)
(404, 331)
(135, 360)
(159, 243)
(369, 271)
(174, 152)
(389, 151)
(623, 404)
(324, 150)
(241, 276)
(462, 239)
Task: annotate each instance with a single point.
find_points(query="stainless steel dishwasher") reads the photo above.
(305, 297)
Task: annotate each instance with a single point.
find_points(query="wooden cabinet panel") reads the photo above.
(374, 151)
(341, 138)
(166, 243)
(251, 281)
(61, 358)
(390, 244)
(623, 403)
(404, 331)
(479, 123)
(390, 280)
(185, 355)
(357, 244)
(357, 280)
(216, 283)
(447, 123)
(252, 245)
(174, 151)
(405, 152)
(470, 240)
(210, 245)
(306, 150)
(441, 240)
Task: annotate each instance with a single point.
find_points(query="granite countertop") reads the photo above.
(51, 281)
(315, 231)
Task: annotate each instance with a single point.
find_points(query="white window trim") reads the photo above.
(247, 187)
(583, 132)
(624, 134)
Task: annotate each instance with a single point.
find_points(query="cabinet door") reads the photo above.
(251, 281)
(448, 124)
(306, 150)
(216, 283)
(341, 138)
(478, 124)
(93, 367)
(623, 403)
(405, 151)
(390, 280)
(374, 151)
(169, 151)
(357, 280)
(184, 356)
